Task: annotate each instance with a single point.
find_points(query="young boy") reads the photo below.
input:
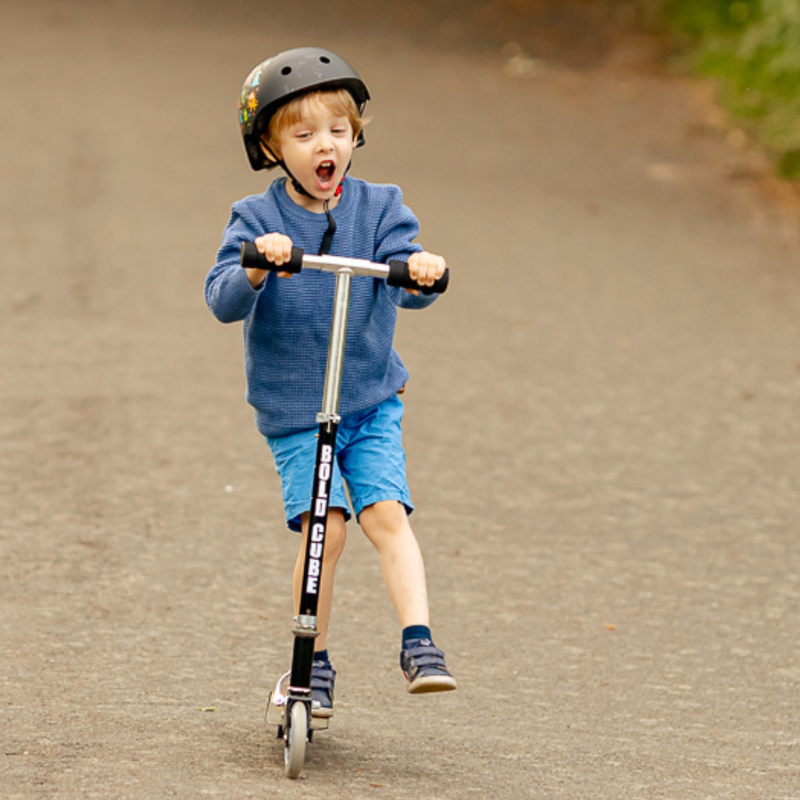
(303, 110)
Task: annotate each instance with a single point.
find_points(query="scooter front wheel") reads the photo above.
(296, 736)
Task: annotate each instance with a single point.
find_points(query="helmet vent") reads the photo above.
(286, 71)
(325, 59)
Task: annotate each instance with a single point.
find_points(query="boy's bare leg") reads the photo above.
(386, 525)
(335, 537)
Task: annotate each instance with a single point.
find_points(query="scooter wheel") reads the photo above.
(296, 738)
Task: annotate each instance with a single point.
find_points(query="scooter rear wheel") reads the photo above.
(296, 737)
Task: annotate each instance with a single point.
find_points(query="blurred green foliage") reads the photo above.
(753, 48)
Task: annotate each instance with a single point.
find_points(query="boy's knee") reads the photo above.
(335, 533)
(385, 515)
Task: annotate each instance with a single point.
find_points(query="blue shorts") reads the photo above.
(370, 461)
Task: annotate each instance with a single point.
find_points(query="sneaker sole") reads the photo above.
(432, 683)
(321, 713)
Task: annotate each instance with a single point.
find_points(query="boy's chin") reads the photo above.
(327, 190)
(325, 195)
(316, 194)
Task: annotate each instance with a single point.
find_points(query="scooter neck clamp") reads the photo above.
(306, 625)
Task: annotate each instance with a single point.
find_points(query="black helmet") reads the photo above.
(287, 75)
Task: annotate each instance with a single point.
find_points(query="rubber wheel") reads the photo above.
(296, 737)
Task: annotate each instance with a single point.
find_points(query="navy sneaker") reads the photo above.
(425, 669)
(322, 677)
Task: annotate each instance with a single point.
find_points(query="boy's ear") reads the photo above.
(268, 154)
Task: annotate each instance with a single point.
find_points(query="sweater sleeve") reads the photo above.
(228, 292)
(397, 229)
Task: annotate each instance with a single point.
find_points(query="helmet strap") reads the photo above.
(298, 187)
(327, 238)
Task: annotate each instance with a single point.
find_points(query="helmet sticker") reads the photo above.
(248, 102)
(254, 78)
(247, 106)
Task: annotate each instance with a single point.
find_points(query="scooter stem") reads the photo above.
(333, 372)
(306, 629)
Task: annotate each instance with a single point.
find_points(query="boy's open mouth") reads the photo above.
(325, 174)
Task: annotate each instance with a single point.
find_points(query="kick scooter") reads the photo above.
(289, 704)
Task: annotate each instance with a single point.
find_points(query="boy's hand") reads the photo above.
(425, 268)
(278, 249)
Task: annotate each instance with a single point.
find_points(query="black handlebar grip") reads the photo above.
(398, 276)
(252, 258)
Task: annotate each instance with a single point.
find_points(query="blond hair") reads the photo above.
(339, 102)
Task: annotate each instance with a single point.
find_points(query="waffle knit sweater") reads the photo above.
(287, 320)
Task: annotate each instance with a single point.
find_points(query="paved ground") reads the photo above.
(602, 423)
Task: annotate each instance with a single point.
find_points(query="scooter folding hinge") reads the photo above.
(305, 625)
(322, 417)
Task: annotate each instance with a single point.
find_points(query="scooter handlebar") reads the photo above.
(398, 276)
(251, 257)
(396, 273)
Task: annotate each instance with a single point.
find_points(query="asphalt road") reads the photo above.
(602, 424)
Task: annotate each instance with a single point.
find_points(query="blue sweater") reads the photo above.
(287, 320)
